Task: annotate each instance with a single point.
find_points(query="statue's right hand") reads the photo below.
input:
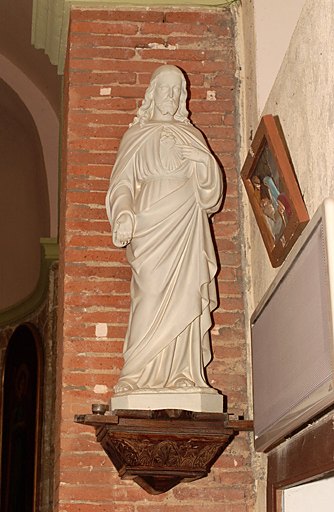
(123, 230)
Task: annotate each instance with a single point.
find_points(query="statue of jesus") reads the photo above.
(164, 186)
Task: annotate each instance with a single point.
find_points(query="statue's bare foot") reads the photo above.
(183, 382)
(123, 387)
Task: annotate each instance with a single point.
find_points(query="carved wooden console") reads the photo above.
(160, 449)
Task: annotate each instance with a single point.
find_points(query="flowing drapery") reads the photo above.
(171, 254)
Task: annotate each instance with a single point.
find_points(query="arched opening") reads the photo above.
(21, 416)
(24, 199)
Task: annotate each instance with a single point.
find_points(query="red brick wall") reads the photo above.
(112, 54)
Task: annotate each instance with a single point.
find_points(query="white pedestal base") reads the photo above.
(189, 399)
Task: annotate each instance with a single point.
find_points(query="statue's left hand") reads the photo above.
(123, 230)
(191, 153)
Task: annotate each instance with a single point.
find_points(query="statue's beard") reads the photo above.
(167, 107)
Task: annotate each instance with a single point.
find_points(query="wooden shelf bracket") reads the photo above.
(160, 449)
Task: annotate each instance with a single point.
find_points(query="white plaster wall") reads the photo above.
(274, 22)
(294, 79)
(302, 97)
(309, 497)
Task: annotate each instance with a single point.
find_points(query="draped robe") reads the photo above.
(171, 253)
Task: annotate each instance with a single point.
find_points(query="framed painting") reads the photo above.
(273, 190)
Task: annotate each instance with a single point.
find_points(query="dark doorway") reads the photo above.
(20, 422)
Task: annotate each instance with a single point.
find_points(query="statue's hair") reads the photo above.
(145, 111)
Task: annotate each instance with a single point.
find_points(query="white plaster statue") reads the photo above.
(164, 186)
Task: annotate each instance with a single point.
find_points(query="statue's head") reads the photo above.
(166, 94)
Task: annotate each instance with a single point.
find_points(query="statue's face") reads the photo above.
(167, 93)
